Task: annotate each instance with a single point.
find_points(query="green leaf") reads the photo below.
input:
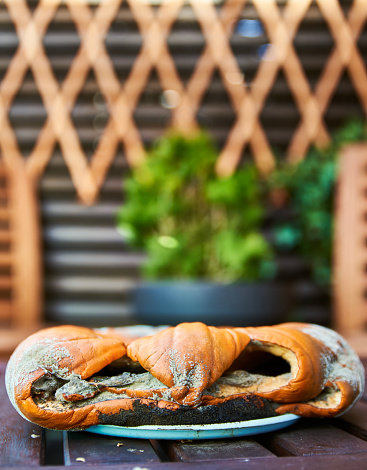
(287, 237)
(311, 186)
(191, 223)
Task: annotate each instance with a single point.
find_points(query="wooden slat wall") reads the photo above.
(89, 271)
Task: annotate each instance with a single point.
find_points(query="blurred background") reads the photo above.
(280, 88)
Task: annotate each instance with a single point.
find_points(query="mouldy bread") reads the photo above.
(71, 377)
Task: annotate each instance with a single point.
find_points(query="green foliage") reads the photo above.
(310, 186)
(191, 223)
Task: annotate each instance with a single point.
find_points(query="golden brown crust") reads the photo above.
(189, 357)
(329, 378)
(310, 376)
(61, 351)
(311, 410)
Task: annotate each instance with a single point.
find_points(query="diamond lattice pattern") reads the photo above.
(217, 58)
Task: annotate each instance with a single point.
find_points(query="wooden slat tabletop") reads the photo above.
(309, 443)
(101, 449)
(210, 450)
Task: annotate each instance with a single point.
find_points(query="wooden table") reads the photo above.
(315, 444)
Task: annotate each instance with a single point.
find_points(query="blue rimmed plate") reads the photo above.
(199, 431)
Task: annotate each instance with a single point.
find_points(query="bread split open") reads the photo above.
(72, 377)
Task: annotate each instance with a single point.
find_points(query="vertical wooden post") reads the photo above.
(350, 243)
(25, 248)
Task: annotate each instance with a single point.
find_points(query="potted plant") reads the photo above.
(207, 258)
(308, 189)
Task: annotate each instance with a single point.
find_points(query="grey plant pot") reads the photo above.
(239, 304)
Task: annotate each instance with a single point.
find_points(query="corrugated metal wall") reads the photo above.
(88, 269)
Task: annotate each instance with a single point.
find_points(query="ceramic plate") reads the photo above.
(199, 431)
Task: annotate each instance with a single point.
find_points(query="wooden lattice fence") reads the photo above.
(280, 24)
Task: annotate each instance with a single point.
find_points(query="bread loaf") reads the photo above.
(71, 377)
